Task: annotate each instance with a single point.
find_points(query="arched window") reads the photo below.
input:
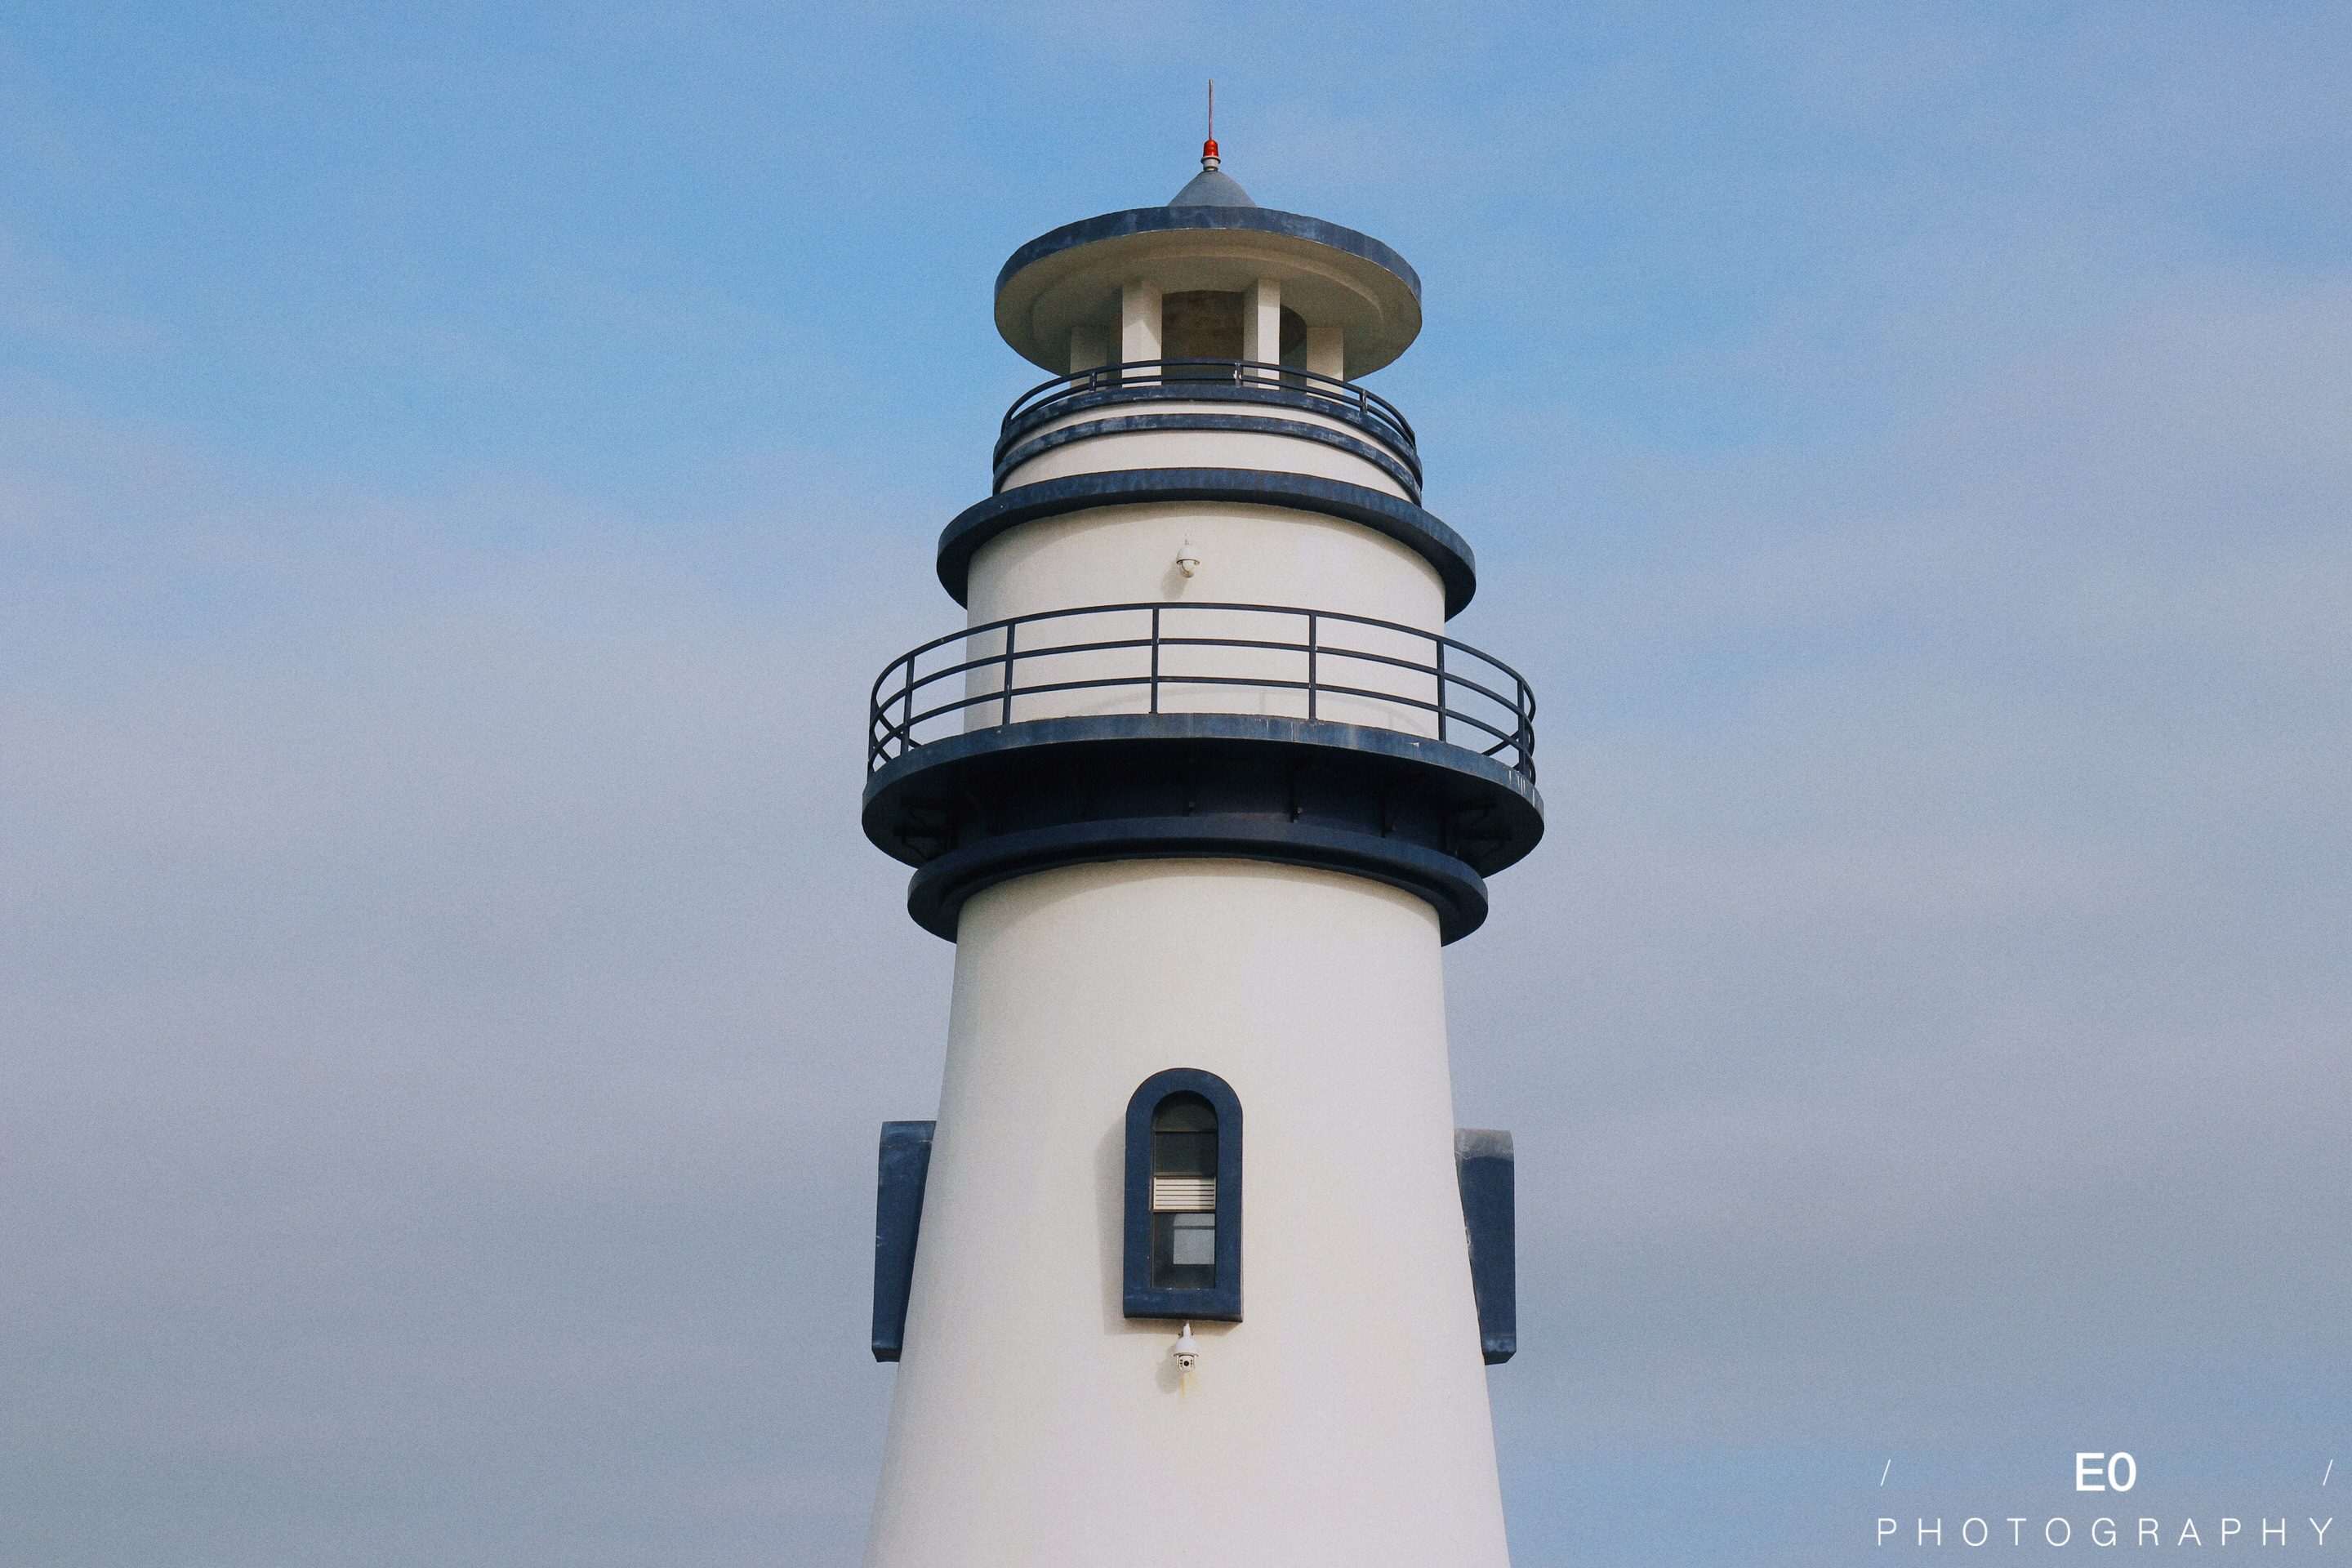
(1184, 1193)
(1184, 1198)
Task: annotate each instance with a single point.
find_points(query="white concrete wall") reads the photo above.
(1138, 322)
(1248, 554)
(1345, 1421)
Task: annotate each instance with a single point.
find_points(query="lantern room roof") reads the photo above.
(1212, 188)
(1210, 236)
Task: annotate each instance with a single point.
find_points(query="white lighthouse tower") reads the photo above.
(1193, 1266)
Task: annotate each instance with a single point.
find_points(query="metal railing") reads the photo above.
(1368, 408)
(1158, 658)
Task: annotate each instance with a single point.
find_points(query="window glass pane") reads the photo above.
(1185, 1113)
(1195, 1241)
(1184, 1153)
(1184, 1137)
(1184, 1193)
(1174, 1252)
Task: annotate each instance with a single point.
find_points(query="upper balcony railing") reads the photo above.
(1273, 660)
(1348, 401)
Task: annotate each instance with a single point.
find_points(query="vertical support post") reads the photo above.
(1327, 351)
(1262, 323)
(1155, 659)
(1441, 686)
(1009, 630)
(1311, 640)
(1140, 335)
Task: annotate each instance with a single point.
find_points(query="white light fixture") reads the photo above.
(1188, 1349)
(1188, 560)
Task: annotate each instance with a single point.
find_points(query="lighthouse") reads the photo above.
(1193, 1265)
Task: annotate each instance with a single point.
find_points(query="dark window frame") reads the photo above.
(1220, 1303)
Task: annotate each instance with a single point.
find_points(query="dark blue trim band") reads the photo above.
(937, 891)
(1459, 767)
(1485, 1166)
(1154, 220)
(1247, 423)
(1222, 1303)
(977, 809)
(906, 1167)
(1383, 513)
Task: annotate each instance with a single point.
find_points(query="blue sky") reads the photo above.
(459, 468)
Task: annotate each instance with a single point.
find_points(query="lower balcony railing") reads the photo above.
(1272, 659)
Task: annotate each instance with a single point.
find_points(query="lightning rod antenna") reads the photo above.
(1209, 148)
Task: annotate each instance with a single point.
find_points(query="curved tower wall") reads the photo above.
(1247, 554)
(1344, 1418)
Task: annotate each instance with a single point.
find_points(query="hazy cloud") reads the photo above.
(446, 1003)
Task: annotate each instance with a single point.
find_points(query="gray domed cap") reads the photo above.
(1212, 188)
